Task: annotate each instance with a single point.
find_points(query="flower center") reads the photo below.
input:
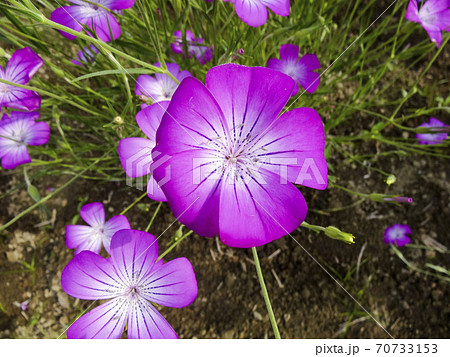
(4, 88)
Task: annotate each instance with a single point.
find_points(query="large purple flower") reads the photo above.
(133, 280)
(397, 234)
(136, 153)
(18, 131)
(97, 18)
(232, 161)
(433, 15)
(97, 233)
(195, 47)
(161, 87)
(302, 71)
(432, 138)
(23, 64)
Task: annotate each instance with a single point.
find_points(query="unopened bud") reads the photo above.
(118, 120)
(336, 233)
(390, 180)
(399, 199)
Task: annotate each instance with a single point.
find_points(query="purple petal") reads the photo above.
(104, 25)
(193, 195)
(114, 225)
(431, 7)
(154, 191)
(275, 64)
(412, 14)
(78, 236)
(253, 13)
(279, 7)
(89, 276)
(116, 4)
(93, 214)
(69, 16)
(259, 211)
(135, 155)
(14, 156)
(146, 85)
(192, 120)
(149, 119)
(133, 253)
(250, 98)
(145, 321)
(310, 61)
(19, 98)
(293, 148)
(289, 52)
(105, 321)
(22, 66)
(38, 135)
(173, 284)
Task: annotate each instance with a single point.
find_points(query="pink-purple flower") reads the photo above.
(161, 87)
(232, 161)
(437, 137)
(132, 280)
(301, 70)
(195, 47)
(16, 133)
(97, 233)
(24, 63)
(136, 153)
(254, 12)
(93, 14)
(85, 55)
(397, 234)
(433, 15)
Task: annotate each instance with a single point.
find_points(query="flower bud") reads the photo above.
(390, 180)
(336, 233)
(118, 120)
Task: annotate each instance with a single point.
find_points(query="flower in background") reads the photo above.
(433, 15)
(94, 15)
(254, 12)
(397, 235)
(195, 48)
(161, 87)
(97, 233)
(23, 64)
(233, 162)
(432, 138)
(302, 71)
(133, 281)
(136, 153)
(18, 131)
(86, 55)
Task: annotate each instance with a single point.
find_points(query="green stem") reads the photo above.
(178, 241)
(265, 294)
(153, 217)
(132, 204)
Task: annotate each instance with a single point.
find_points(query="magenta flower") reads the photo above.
(97, 232)
(434, 16)
(195, 48)
(18, 131)
(161, 87)
(397, 235)
(97, 18)
(24, 63)
(432, 138)
(232, 161)
(254, 12)
(133, 281)
(86, 55)
(136, 153)
(302, 71)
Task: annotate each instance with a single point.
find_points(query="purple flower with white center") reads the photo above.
(133, 280)
(24, 63)
(433, 15)
(96, 17)
(16, 133)
(195, 47)
(97, 232)
(86, 55)
(397, 235)
(433, 138)
(302, 71)
(136, 153)
(161, 87)
(233, 161)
